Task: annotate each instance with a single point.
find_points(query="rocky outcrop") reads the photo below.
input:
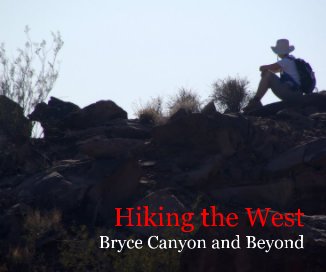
(51, 116)
(94, 159)
(96, 114)
(58, 116)
(309, 259)
(224, 134)
(307, 104)
(13, 124)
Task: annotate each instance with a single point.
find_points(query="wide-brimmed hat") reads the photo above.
(282, 47)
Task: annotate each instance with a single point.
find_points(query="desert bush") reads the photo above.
(151, 112)
(231, 93)
(80, 251)
(30, 76)
(184, 99)
(38, 226)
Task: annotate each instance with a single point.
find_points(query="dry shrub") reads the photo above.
(185, 99)
(151, 112)
(37, 223)
(231, 94)
(29, 77)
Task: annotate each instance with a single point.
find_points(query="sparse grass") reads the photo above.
(151, 112)
(231, 93)
(37, 224)
(83, 252)
(184, 99)
(49, 245)
(39, 228)
(80, 252)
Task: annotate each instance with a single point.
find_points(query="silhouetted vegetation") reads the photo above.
(29, 77)
(156, 112)
(231, 94)
(184, 99)
(151, 112)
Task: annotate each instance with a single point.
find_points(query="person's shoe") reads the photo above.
(253, 104)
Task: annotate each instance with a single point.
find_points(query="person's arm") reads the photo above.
(275, 67)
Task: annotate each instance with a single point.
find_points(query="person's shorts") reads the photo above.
(284, 90)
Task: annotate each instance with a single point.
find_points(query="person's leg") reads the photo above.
(283, 91)
(280, 89)
(264, 84)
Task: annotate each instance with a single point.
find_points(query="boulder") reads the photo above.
(278, 195)
(96, 114)
(310, 258)
(201, 176)
(301, 121)
(224, 134)
(13, 124)
(52, 112)
(12, 224)
(309, 190)
(209, 109)
(305, 190)
(180, 113)
(308, 153)
(102, 147)
(123, 129)
(51, 115)
(315, 100)
(117, 189)
(51, 191)
(164, 198)
(58, 116)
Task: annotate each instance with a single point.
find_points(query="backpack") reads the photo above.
(307, 76)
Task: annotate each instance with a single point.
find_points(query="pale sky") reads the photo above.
(128, 51)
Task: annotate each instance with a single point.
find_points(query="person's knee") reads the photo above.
(266, 74)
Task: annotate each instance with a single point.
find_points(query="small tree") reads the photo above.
(231, 94)
(29, 77)
(184, 99)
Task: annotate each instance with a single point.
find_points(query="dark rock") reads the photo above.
(96, 114)
(305, 190)
(163, 198)
(269, 109)
(12, 223)
(320, 116)
(179, 114)
(58, 116)
(51, 115)
(13, 123)
(117, 189)
(209, 109)
(309, 194)
(51, 191)
(53, 112)
(295, 118)
(225, 134)
(129, 130)
(308, 259)
(94, 160)
(316, 100)
(201, 176)
(277, 195)
(296, 157)
(102, 147)
(147, 163)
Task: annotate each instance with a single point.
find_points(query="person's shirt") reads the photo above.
(289, 67)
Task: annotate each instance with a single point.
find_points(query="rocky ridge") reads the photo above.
(93, 159)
